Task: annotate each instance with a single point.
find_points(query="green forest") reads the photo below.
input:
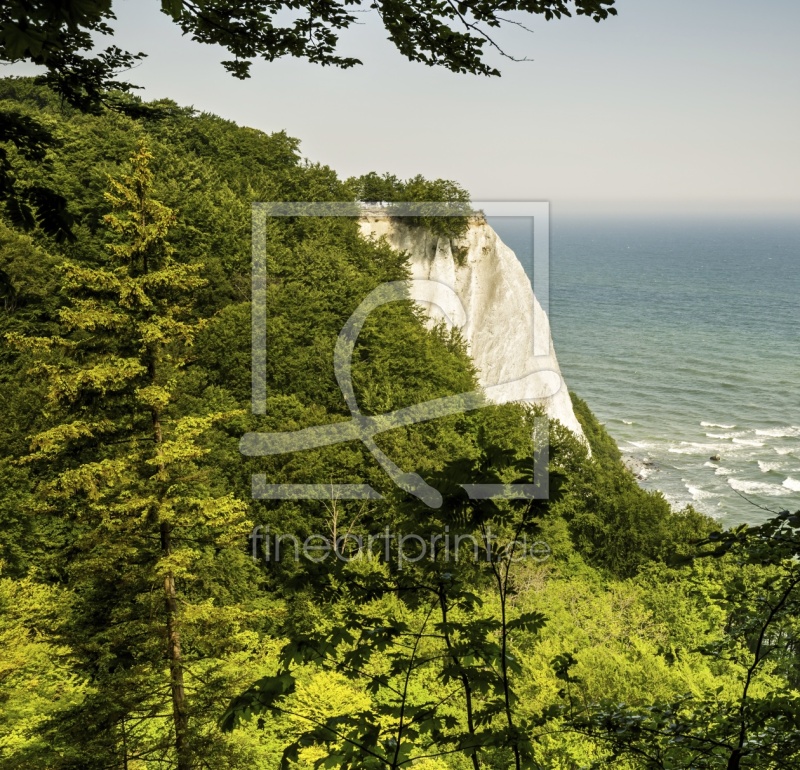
(144, 621)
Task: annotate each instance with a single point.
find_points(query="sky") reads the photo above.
(675, 105)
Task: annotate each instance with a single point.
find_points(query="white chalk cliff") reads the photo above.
(506, 330)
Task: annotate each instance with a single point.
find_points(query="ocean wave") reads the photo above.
(628, 422)
(718, 469)
(716, 425)
(790, 431)
(641, 444)
(783, 450)
(695, 448)
(792, 484)
(697, 493)
(757, 488)
(766, 467)
(748, 442)
(736, 434)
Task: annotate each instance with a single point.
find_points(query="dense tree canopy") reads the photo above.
(137, 630)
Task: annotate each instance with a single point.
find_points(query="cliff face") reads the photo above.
(504, 324)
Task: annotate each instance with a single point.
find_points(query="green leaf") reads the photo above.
(528, 621)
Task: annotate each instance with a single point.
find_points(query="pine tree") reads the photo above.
(121, 466)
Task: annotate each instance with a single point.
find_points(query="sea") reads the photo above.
(683, 336)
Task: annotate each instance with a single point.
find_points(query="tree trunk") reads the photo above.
(464, 681)
(179, 715)
(734, 761)
(124, 746)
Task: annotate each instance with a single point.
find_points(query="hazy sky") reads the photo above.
(689, 103)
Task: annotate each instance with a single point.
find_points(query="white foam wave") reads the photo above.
(757, 488)
(716, 425)
(789, 431)
(694, 448)
(748, 442)
(792, 484)
(734, 435)
(697, 493)
(783, 450)
(641, 444)
(628, 422)
(724, 471)
(767, 467)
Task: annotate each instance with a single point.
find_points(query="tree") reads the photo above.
(751, 719)
(122, 465)
(434, 197)
(29, 204)
(412, 629)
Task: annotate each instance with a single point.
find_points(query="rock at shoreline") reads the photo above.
(637, 467)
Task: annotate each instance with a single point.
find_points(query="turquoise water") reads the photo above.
(683, 338)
